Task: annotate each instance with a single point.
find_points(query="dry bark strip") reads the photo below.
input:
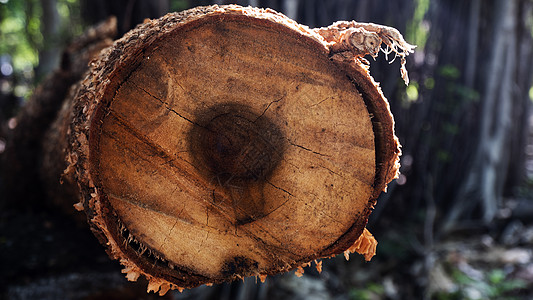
(225, 142)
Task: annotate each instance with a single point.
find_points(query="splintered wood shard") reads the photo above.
(224, 142)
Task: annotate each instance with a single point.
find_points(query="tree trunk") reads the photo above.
(521, 100)
(504, 86)
(225, 142)
(49, 56)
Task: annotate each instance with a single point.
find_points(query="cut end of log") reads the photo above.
(225, 142)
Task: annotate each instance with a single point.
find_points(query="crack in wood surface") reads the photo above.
(151, 208)
(321, 101)
(167, 105)
(275, 209)
(268, 106)
(147, 141)
(307, 149)
(279, 188)
(200, 248)
(175, 223)
(330, 170)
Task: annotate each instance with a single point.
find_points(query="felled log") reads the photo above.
(224, 142)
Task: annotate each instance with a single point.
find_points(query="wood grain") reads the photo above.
(224, 142)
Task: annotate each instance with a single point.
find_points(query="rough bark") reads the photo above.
(225, 142)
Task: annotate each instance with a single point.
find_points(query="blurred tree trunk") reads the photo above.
(524, 77)
(487, 175)
(49, 54)
(502, 82)
(129, 13)
(290, 8)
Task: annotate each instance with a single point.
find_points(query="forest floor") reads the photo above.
(48, 255)
(471, 262)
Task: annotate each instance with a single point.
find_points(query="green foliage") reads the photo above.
(450, 128)
(71, 22)
(448, 296)
(178, 5)
(444, 156)
(467, 94)
(20, 33)
(417, 30)
(371, 291)
(494, 285)
(412, 91)
(429, 83)
(449, 72)
(22, 39)
(525, 188)
(499, 285)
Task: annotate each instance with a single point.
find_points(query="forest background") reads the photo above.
(457, 224)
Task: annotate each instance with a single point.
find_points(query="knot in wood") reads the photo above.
(364, 41)
(234, 144)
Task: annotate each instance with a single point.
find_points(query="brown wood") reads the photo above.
(225, 142)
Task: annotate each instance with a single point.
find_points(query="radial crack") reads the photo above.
(320, 102)
(306, 149)
(167, 106)
(268, 106)
(281, 189)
